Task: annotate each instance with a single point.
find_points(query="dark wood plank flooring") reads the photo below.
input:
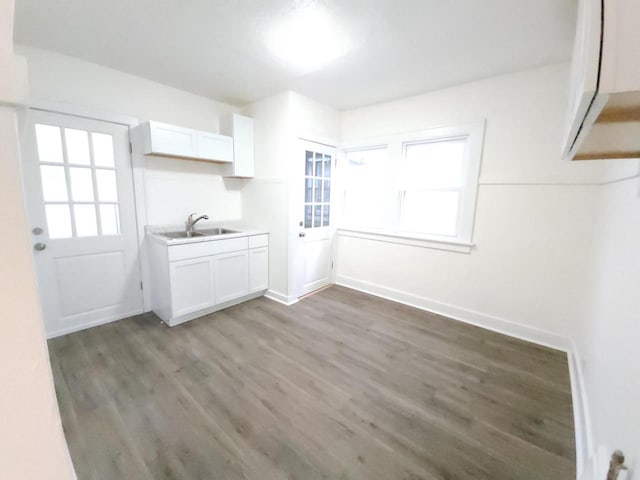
(342, 385)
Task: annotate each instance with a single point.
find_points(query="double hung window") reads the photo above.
(421, 186)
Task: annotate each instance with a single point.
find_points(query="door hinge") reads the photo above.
(141, 286)
(130, 148)
(331, 264)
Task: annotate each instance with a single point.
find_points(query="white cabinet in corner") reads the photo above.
(603, 119)
(240, 128)
(258, 263)
(258, 269)
(192, 279)
(167, 140)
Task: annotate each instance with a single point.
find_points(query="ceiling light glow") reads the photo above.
(307, 40)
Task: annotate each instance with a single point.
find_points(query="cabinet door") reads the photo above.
(171, 140)
(243, 145)
(214, 147)
(192, 286)
(258, 269)
(241, 129)
(231, 271)
(585, 69)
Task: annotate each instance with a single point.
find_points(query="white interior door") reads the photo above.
(315, 230)
(80, 201)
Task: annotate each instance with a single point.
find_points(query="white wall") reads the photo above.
(31, 438)
(610, 338)
(270, 200)
(556, 254)
(314, 121)
(318, 123)
(265, 199)
(557, 257)
(532, 233)
(174, 188)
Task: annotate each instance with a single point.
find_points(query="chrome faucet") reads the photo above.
(191, 222)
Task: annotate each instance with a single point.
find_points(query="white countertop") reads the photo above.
(154, 232)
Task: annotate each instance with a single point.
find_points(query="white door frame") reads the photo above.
(137, 165)
(296, 200)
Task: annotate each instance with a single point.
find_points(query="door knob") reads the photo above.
(302, 234)
(39, 246)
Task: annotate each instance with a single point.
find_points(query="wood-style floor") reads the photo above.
(342, 385)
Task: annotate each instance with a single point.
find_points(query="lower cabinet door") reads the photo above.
(258, 269)
(231, 273)
(192, 286)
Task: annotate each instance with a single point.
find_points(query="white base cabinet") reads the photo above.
(193, 279)
(258, 269)
(231, 272)
(191, 285)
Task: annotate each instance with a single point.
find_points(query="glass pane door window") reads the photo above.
(317, 189)
(79, 185)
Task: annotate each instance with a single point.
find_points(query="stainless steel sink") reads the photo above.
(205, 232)
(216, 231)
(182, 234)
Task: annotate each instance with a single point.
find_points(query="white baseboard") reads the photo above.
(173, 322)
(84, 326)
(601, 463)
(597, 466)
(280, 298)
(581, 417)
(490, 322)
(582, 421)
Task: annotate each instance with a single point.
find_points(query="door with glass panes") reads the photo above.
(315, 232)
(80, 201)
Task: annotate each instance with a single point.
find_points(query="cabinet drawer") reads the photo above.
(202, 249)
(257, 241)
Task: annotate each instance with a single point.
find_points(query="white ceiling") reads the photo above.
(216, 47)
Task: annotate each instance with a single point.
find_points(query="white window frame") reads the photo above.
(463, 240)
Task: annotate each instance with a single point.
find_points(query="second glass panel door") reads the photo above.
(317, 189)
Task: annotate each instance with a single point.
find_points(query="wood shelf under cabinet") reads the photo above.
(615, 134)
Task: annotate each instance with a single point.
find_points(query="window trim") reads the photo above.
(410, 240)
(395, 144)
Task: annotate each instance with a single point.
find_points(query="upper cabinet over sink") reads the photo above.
(172, 141)
(604, 101)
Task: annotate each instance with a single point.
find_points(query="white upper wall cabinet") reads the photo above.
(173, 141)
(241, 129)
(604, 101)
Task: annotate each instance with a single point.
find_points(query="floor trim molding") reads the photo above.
(76, 328)
(490, 322)
(585, 457)
(281, 298)
(581, 417)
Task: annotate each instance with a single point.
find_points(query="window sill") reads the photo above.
(414, 241)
